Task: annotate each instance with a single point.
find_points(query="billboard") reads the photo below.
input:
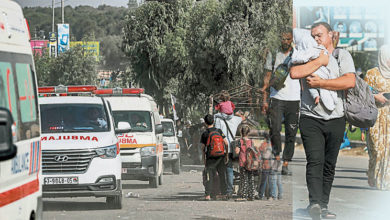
(38, 46)
(361, 27)
(92, 47)
(63, 37)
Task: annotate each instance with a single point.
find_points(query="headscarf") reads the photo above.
(384, 61)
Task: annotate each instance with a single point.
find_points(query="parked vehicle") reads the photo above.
(80, 151)
(171, 146)
(20, 149)
(142, 147)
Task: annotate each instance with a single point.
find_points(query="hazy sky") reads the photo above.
(73, 3)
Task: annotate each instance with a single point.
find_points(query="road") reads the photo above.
(178, 197)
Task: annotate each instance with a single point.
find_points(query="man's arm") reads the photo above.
(303, 70)
(343, 82)
(203, 154)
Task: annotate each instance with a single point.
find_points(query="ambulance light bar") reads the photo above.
(66, 89)
(119, 91)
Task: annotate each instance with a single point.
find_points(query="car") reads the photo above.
(20, 148)
(80, 150)
(171, 146)
(142, 147)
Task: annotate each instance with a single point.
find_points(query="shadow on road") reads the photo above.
(181, 196)
(354, 187)
(350, 170)
(301, 214)
(73, 206)
(351, 177)
(135, 186)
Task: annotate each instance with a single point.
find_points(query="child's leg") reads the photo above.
(263, 183)
(245, 180)
(242, 183)
(272, 184)
(251, 184)
(280, 185)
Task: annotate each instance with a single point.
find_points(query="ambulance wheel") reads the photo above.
(160, 179)
(114, 202)
(153, 182)
(176, 167)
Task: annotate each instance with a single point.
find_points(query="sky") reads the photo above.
(73, 3)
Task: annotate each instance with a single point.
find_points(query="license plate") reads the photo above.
(61, 180)
(124, 170)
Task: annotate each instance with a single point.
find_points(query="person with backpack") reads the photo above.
(214, 152)
(322, 130)
(284, 100)
(248, 158)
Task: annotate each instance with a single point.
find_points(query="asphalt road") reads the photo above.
(177, 198)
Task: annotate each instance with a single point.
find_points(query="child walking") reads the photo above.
(266, 168)
(247, 181)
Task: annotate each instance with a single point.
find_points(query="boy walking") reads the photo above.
(214, 159)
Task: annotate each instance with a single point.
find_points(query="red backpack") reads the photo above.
(252, 158)
(215, 144)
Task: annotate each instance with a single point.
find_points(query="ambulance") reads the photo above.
(80, 151)
(20, 149)
(142, 147)
(171, 146)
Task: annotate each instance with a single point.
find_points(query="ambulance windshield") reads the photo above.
(139, 121)
(59, 118)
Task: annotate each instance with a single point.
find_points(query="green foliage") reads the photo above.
(86, 23)
(73, 67)
(194, 49)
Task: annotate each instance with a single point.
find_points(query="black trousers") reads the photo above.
(321, 140)
(215, 166)
(290, 111)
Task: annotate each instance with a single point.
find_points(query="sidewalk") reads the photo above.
(351, 197)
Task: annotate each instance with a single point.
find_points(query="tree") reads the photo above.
(194, 49)
(73, 67)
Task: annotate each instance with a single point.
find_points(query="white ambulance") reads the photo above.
(20, 149)
(80, 151)
(142, 147)
(171, 146)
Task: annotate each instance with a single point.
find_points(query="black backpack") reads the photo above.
(359, 105)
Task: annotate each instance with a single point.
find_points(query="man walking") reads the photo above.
(284, 103)
(322, 130)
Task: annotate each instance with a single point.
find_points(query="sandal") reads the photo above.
(326, 214)
(240, 200)
(206, 198)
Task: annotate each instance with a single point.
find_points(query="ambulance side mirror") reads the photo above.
(123, 127)
(7, 148)
(159, 129)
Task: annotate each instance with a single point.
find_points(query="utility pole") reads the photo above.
(62, 10)
(52, 25)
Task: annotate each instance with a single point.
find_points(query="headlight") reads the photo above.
(172, 146)
(107, 152)
(148, 151)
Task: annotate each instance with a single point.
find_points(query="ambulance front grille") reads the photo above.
(66, 161)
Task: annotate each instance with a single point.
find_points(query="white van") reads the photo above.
(20, 149)
(142, 147)
(80, 151)
(171, 146)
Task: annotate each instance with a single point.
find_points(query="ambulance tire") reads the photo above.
(176, 167)
(114, 202)
(153, 182)
(160, 179)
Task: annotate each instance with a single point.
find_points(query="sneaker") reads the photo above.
(315, 211)
(270, 199)
(286, 171)
(257, 197)
(326, 214)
